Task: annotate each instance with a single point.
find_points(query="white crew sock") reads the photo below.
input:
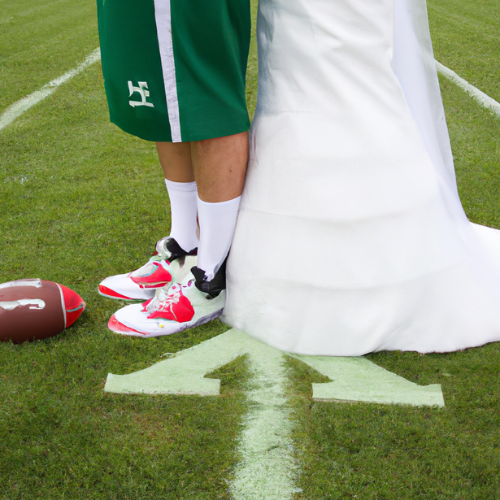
(217, 223)
(183, 207)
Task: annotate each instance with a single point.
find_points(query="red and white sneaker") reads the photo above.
(170, 264)
(181, 307)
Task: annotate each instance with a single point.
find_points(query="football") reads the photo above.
(34, 309)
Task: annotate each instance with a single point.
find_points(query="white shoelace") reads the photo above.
(163, 300)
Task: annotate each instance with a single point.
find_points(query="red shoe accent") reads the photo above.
(111, 293)
(73, 304)
(145, 305)
(180, 310)
(157, 279)
(154, 285)
(115, 326)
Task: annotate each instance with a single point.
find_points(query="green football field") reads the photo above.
(80, 200)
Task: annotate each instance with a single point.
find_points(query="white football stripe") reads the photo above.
(63, 305)
(18, 108)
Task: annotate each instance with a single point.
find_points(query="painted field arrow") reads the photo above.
(268, 469)
(353, 378)
(358, 379)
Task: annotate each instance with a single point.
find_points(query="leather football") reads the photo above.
(34, 309)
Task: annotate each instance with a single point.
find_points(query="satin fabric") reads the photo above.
(351, 237)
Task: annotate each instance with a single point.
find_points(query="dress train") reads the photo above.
(351, 236)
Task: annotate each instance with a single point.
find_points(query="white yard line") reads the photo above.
(267, 469)
(484, 100)
(18, 108)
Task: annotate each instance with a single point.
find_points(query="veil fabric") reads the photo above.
(351, 237)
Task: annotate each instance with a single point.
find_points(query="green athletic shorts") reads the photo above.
(174, 70)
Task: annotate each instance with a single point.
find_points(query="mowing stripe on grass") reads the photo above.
(18, 108)
(484, 100)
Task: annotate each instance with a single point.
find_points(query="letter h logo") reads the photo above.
(143, 92)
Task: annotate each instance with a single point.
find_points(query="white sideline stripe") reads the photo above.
(484, 100)
(164, 31)
(18, 108)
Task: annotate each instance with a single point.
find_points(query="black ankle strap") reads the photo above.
(213, 287)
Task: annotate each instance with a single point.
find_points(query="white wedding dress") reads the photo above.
(351, 236)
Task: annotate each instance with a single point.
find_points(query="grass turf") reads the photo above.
(465, 38)
(397, 452)
(77, 197)
(40, 40)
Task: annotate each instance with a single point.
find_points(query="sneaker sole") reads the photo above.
(115, 326)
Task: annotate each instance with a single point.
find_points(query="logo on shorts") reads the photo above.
(143, 92)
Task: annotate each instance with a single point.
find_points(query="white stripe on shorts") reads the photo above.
(164, 30)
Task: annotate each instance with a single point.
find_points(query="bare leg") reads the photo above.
(175, 160)
(220, 166)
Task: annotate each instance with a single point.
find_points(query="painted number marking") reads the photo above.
(267, 469)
